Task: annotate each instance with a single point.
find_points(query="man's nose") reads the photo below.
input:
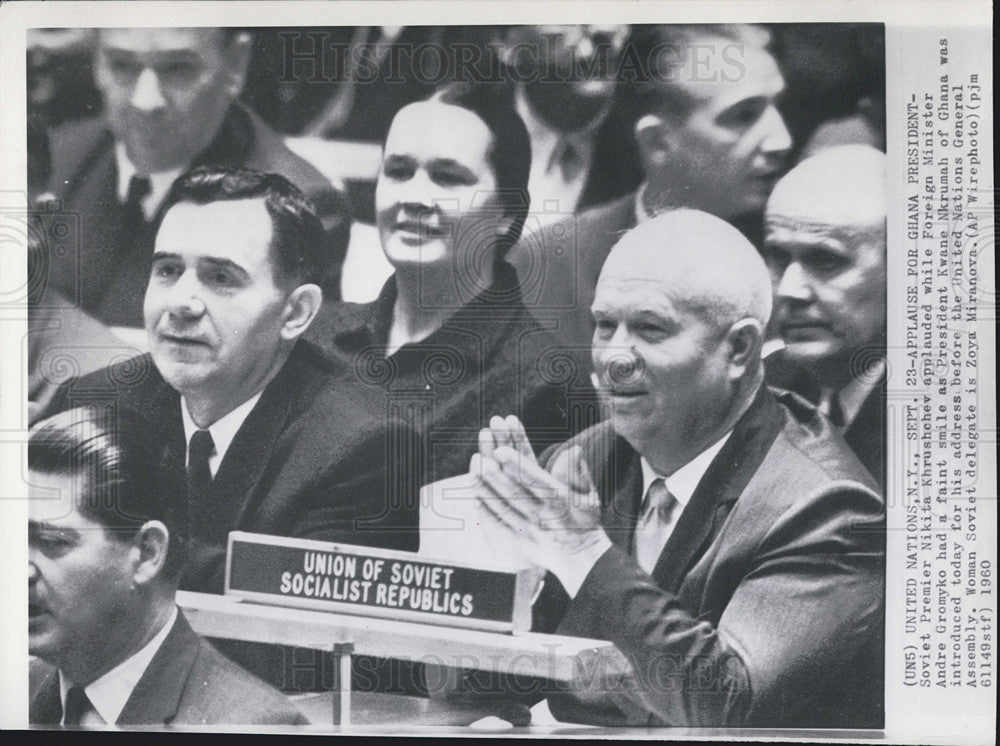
(794, 284)
(147, 96)
(184, 299)
(775, 139)
(618, 358)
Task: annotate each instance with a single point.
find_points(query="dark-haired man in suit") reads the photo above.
(710, 137)
(170, 105)
(229, 382)
(724, 538)
(107, 541)
(271, 446)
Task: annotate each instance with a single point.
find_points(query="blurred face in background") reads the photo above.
(166, 91)
(568, 71)
(436, 201)
(724, 154)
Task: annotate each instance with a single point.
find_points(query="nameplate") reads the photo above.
(376, 582)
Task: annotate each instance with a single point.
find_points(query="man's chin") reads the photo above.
(813, 352)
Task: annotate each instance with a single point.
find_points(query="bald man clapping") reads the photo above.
(726, 540)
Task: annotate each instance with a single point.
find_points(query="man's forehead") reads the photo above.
(632, 291)
(228, 229)
(719, 73)
(54, 498)
(162, 40)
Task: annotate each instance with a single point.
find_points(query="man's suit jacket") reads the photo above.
(558, 267)
(766, 605)
(187, 682)
(102, 266)
(305, 462)
(866, 432)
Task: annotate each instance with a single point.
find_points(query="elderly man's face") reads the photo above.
(79, 578)
(662, 367)
(166, 91)
(725, 156)
(829, 284)
(214, 312)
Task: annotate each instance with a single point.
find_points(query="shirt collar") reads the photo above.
(852, 396)
(683, 482)
(159, 182)
(547, 142)
(110, 693)
(223, 430)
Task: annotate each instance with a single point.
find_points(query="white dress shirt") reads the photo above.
(223, 430)
(682, 484)
(109, 694)
(159, 182)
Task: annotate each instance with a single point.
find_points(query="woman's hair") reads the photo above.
(510, 152)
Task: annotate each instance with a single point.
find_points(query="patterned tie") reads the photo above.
(830, 406)
(199, 474)
(654, 525)
(77, 704)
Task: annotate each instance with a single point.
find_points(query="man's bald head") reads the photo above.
(680, 310)
(825, 246)
(703, 262)
(842, 186)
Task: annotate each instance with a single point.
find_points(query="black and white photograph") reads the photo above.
(591, 379)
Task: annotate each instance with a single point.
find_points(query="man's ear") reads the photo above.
(238, 58)
(300, 309)
(744, 341)
(149, 549)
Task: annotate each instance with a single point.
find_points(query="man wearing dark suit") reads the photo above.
(271, 446)
(170, 105)
(709, 136)
(825, 245)
(725, 539)
(230, 383)
(107, 542)
(563, 86)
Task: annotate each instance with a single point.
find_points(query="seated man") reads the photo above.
(825, 246)
(269, 447)
(107, 540)
(724, 538)
(170, 105)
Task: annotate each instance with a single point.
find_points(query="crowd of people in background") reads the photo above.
(320, 264)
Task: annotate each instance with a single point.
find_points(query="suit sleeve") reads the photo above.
(807, 603)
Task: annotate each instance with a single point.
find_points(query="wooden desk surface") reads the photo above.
(529, 654)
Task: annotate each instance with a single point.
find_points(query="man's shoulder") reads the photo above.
(133, 383)
(808, 454)
(225, 693)
(72, 143)
(270, 153)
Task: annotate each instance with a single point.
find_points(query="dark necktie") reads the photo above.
(199, 474)
(77, 704)
(139, 188)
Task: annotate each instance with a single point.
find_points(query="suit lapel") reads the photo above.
(722, 484)
(46, 703)
(621, 478)
(157, 696)
(233, 499)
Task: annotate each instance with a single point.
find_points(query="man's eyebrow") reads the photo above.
(37, 527)
(165, 255)
(223, 263)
